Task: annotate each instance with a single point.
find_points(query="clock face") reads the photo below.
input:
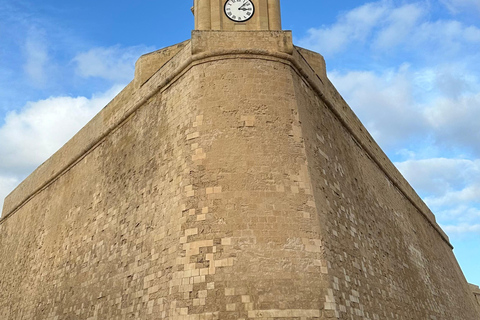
(239, 10)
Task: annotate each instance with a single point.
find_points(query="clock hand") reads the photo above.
(241, 7)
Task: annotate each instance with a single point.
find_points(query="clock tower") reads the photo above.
(237, 15)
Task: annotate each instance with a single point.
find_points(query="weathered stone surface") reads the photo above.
(245, 42)
(148, 64)
(232, 184)
(476, 293)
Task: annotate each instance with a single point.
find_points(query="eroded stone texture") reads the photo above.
(476, 293)
(232, 184)
(385, 260)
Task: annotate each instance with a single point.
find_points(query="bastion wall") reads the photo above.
(476, 293)
(232, 183)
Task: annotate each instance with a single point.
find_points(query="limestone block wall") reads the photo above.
(148, 64)
(194, 204)
(387, 258)
(476, 293)
(100, 240)
(234, 183)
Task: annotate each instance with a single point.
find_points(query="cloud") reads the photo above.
(470, 194)
(42, 58)
(450, 187)
(404, 108)
(381, 27)
(460, 215)
(29, 136)
(413, 81)
(385, 102)
(440, 178)
(112, 63)
(398, 24)
(355, 25)
(445, 39)
(456, 121)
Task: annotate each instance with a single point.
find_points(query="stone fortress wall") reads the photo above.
(229, 180)
(476, 293)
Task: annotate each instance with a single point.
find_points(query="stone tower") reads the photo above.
(228, 180)
(211, 15)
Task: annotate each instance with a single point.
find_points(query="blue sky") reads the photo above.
(409, 69)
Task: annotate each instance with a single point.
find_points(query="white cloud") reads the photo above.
(459, 214)
(384, 102)
(355, 25)
(400, 107)
(398, 24)
(31, 135)
(442, 178)
(423, 106)
(450, 187)
(445, 39)
(456, 121)
(469, 194)
(112, 63)
(382, 26)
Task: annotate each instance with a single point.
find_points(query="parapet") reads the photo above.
(148, 64)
